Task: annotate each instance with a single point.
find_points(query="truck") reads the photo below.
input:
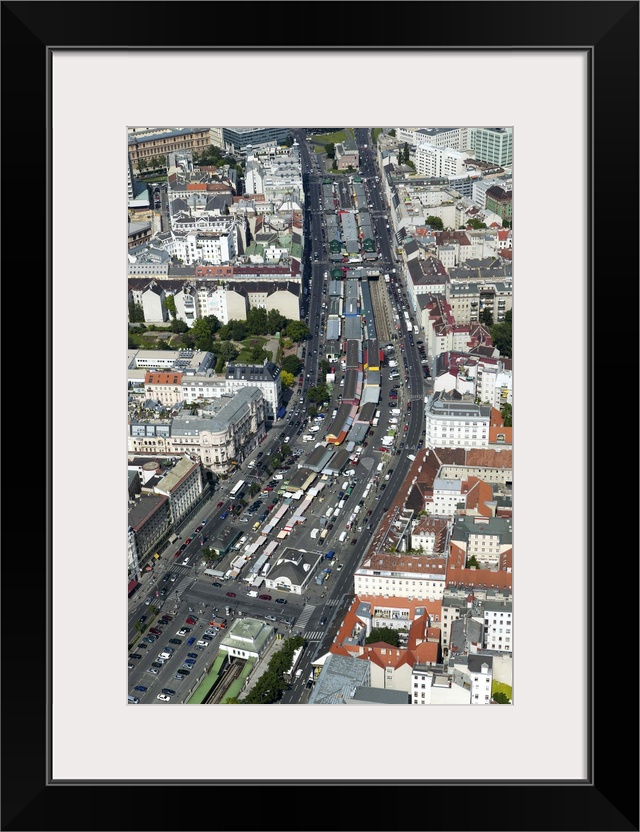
(323, 534)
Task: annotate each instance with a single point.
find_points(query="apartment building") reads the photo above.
(453, 421)
(435, 161)
(484, 538)
(405, 575)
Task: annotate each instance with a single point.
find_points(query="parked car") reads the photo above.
(265, 597)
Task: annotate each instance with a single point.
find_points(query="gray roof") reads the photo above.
(340, 677)
(252, 372)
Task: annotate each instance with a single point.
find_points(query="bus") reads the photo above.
(237, 488)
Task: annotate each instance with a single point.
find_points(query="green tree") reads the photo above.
(136, 313)
(239, 330)
(257, 355)
(179, 326)
(203, 330)
(287, 380)
(285, 450)
(501, 335)
(298, 331)
(324, 366)
(254, 488)
(275, 461)
(384, 634)
(435, 223)
(507, 414)
(292, 364)
(405, 155)
(486, 316)
(318, 394)
(501, 698)
(275, 322)
(476, 224)
(226, 350)
(170, 305)
(330, 150)
(472, 562)
(312, 410)
(257, 321)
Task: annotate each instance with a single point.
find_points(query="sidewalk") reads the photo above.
(262, 666)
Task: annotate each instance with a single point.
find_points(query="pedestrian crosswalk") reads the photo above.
(315, 635)
(305, 615)
(332, 602)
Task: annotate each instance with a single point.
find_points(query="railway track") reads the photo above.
(226, 680)
(380, 311)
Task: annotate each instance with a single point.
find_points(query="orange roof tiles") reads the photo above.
(162, 378)
(480, 578)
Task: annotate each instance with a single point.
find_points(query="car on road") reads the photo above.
(175, 641)
(153, 670)
(220, 504)
(177, 554)
(183, 547)
(174, 578)
(339, 567)
(198, 529)
(231, 595)
(323, 620)
(168, 691)
(141, 688)
(187, 541)
(354, 541)
(281, 600)
(142, 619)
(217, 583)
(165, 579)
(265, 597)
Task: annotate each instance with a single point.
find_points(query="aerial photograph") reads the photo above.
(319, 415)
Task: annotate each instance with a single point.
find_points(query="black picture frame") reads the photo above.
(608, 799)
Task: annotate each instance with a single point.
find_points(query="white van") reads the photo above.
(411, 457)
(393, 420)
(307, 438)
(343, 537)
(345, 485)
(380, 467)
(253, 593)
(278, 476)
